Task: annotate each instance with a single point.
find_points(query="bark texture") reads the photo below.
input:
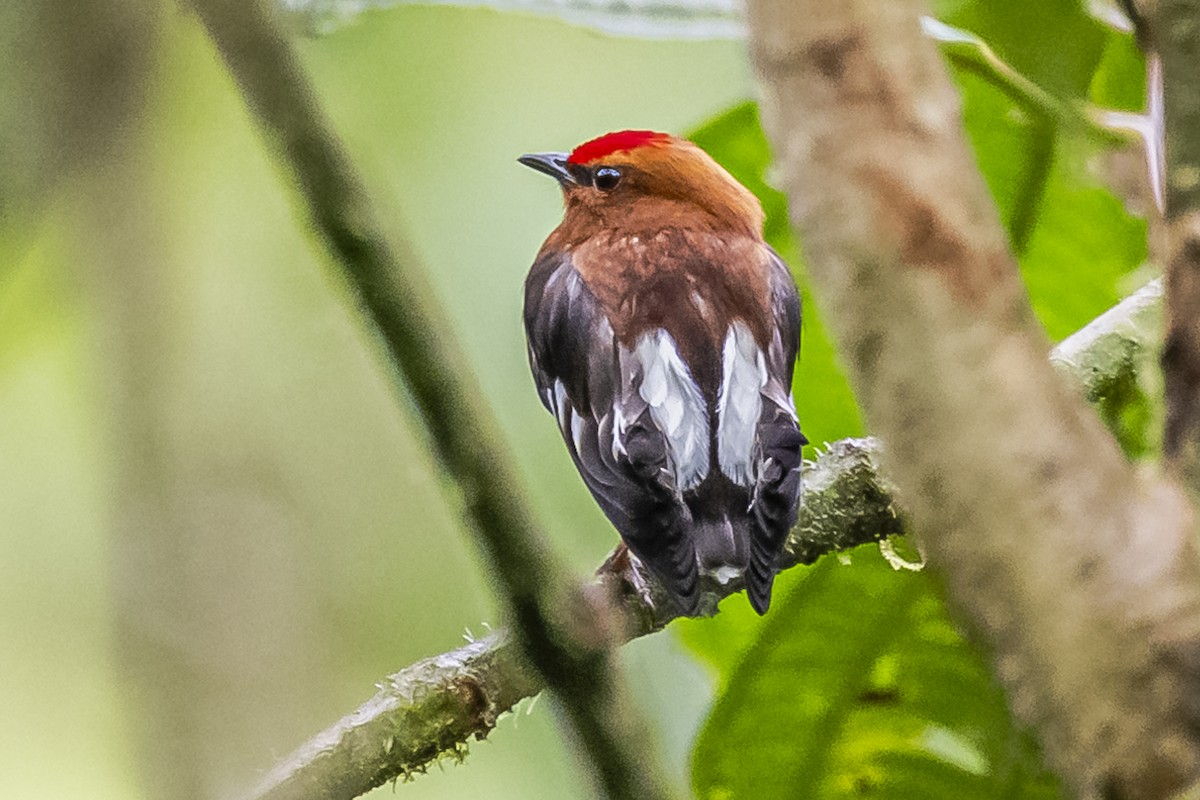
(1078, 574)
(1177, 39)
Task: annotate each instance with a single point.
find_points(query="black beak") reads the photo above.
(552, 164)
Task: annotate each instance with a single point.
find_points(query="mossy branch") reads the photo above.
(433, 708)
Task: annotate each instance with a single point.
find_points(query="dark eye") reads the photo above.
(606, 179)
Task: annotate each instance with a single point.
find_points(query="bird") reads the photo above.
(662, 334)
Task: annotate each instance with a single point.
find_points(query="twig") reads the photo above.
(1177, 34)
(654, 19)
(971, 54)
(560, 630)
(1023, 501)
(433, 708)
(1139, 13)
(1107, 354)
(1050, 117)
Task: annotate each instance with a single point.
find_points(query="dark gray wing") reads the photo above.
(777, 491)
(785, 316)
(588, 381)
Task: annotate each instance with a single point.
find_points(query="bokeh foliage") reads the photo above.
(210, 398)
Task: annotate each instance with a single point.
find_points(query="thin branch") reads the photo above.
(654, 19)
(562, 631)
(1139, 13)
(1023, 501)
(1177, 34)
(1108, 353)
(1050, 117)
(971, 54)
(433, 708)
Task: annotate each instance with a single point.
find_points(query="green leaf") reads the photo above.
(1054, 43)
(1083, 248)
(1076, 241)
(859, 685)
(824, 401)
(1120, 81)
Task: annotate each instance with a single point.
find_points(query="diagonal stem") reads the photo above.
(561, 630)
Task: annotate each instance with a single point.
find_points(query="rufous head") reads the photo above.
(638, 179)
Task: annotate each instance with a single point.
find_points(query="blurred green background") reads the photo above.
(218, 523)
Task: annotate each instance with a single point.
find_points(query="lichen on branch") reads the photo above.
(433, 708)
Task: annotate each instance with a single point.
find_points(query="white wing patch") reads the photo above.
(569, 422)
(676, 406)
(562, 406)
(618, 432)
(739, 404)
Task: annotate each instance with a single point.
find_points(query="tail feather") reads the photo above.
(661, 538)
(776, 503)
(760, 579)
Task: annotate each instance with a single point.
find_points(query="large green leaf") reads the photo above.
(1054, 43)
(855, 684)
(1075, 240)
(859, 686)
